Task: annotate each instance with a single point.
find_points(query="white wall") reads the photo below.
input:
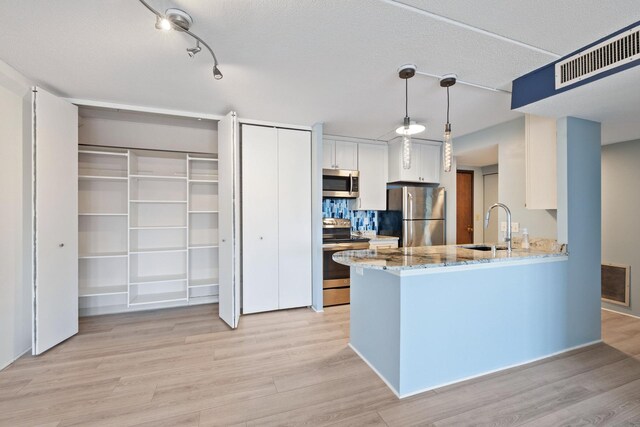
(15, 292)
(511, 169)
(620, 207)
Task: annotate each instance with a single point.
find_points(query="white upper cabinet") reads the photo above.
(339, 155)
(541, 167)
(372, 164)
(425, 163)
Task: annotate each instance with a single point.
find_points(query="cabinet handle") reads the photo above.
(224, 240)
(61, 245)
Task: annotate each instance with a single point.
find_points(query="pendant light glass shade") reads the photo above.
(406, 151)
(412, 129)
(447, 148)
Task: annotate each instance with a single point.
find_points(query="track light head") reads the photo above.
(163, 24)
(193, 51)
(216, 73)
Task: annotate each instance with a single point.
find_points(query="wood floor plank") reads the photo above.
(185, 367)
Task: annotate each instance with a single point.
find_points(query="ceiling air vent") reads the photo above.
(611, 53)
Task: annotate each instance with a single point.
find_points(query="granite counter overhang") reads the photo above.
(428, 257)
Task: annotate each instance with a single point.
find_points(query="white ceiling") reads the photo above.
(303, 61)
(480, 157)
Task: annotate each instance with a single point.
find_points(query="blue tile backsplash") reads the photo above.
(340, 208)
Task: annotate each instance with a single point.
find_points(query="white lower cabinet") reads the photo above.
(276, 218)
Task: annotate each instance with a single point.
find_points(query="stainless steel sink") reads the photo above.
(483, 247)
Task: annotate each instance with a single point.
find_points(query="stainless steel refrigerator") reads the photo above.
(416, 215)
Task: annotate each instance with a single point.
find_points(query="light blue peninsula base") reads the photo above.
(425, 328)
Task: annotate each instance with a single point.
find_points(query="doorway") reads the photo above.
(464, 207)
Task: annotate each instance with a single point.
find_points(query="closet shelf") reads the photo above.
(160, 177)
(203, 212)
(105, 153)
(102, 178)
(102, 255)
(204, 246)
(203, 159)
(102, 291)
(200, 283)
(159, 227)
(101, 214)
(157, 250)
(158, 201)
(155, 279)
(208, 299)
(159, 298)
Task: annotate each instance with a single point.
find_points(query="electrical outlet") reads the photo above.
(503, 226)
(515, 227)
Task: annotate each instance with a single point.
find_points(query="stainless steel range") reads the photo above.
(336, 236)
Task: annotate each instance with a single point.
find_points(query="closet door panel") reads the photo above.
(55, 152)
(294, 219)
(259, 219)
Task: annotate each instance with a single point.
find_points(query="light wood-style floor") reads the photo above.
(184, 367)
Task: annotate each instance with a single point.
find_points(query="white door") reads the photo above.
(328, 154)
(55, 194)
(259, 218)
(294, 219)
(346, 155)
(228, 221)
(372, 165)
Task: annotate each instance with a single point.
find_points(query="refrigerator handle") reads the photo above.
(410, 216)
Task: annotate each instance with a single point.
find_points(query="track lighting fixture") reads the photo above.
(447, 81)
(179, 20)
(408, 127)
(193, 51)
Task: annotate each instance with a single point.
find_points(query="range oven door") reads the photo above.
(335, 276)
(340, 183)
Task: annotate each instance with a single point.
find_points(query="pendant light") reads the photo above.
(447, 147)
(408, 127)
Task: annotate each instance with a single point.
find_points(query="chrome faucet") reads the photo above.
(486, 222)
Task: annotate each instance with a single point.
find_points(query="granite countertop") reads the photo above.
(399, 259)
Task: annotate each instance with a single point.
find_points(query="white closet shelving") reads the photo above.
(148, 229)
(203, 229)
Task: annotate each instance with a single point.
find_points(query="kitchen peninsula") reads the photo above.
(424, 317)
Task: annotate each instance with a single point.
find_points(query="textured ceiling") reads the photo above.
(304, 61)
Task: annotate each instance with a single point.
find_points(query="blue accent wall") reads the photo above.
(341, 208)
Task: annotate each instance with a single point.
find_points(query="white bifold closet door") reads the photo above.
(229, 220)
(54, 145)
(276, 218)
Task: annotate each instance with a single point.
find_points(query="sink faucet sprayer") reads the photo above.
(486, 222)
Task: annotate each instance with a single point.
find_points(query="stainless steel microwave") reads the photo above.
(340, 183)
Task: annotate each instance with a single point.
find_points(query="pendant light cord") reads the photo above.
(447, 104)
(406, 97)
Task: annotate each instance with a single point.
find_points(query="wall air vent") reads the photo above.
(604, 56)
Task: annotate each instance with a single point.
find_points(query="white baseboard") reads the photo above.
(316, 310)
(515, 365)
(15, 358)
(620, 312)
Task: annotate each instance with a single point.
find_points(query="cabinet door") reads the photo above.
(228, 222)
(328, 154)
(429, 156)
(55, 276)
(396, 172)
(294, 218)
(259, 219)
(346, 155)
(372, 164)
(541, 165)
